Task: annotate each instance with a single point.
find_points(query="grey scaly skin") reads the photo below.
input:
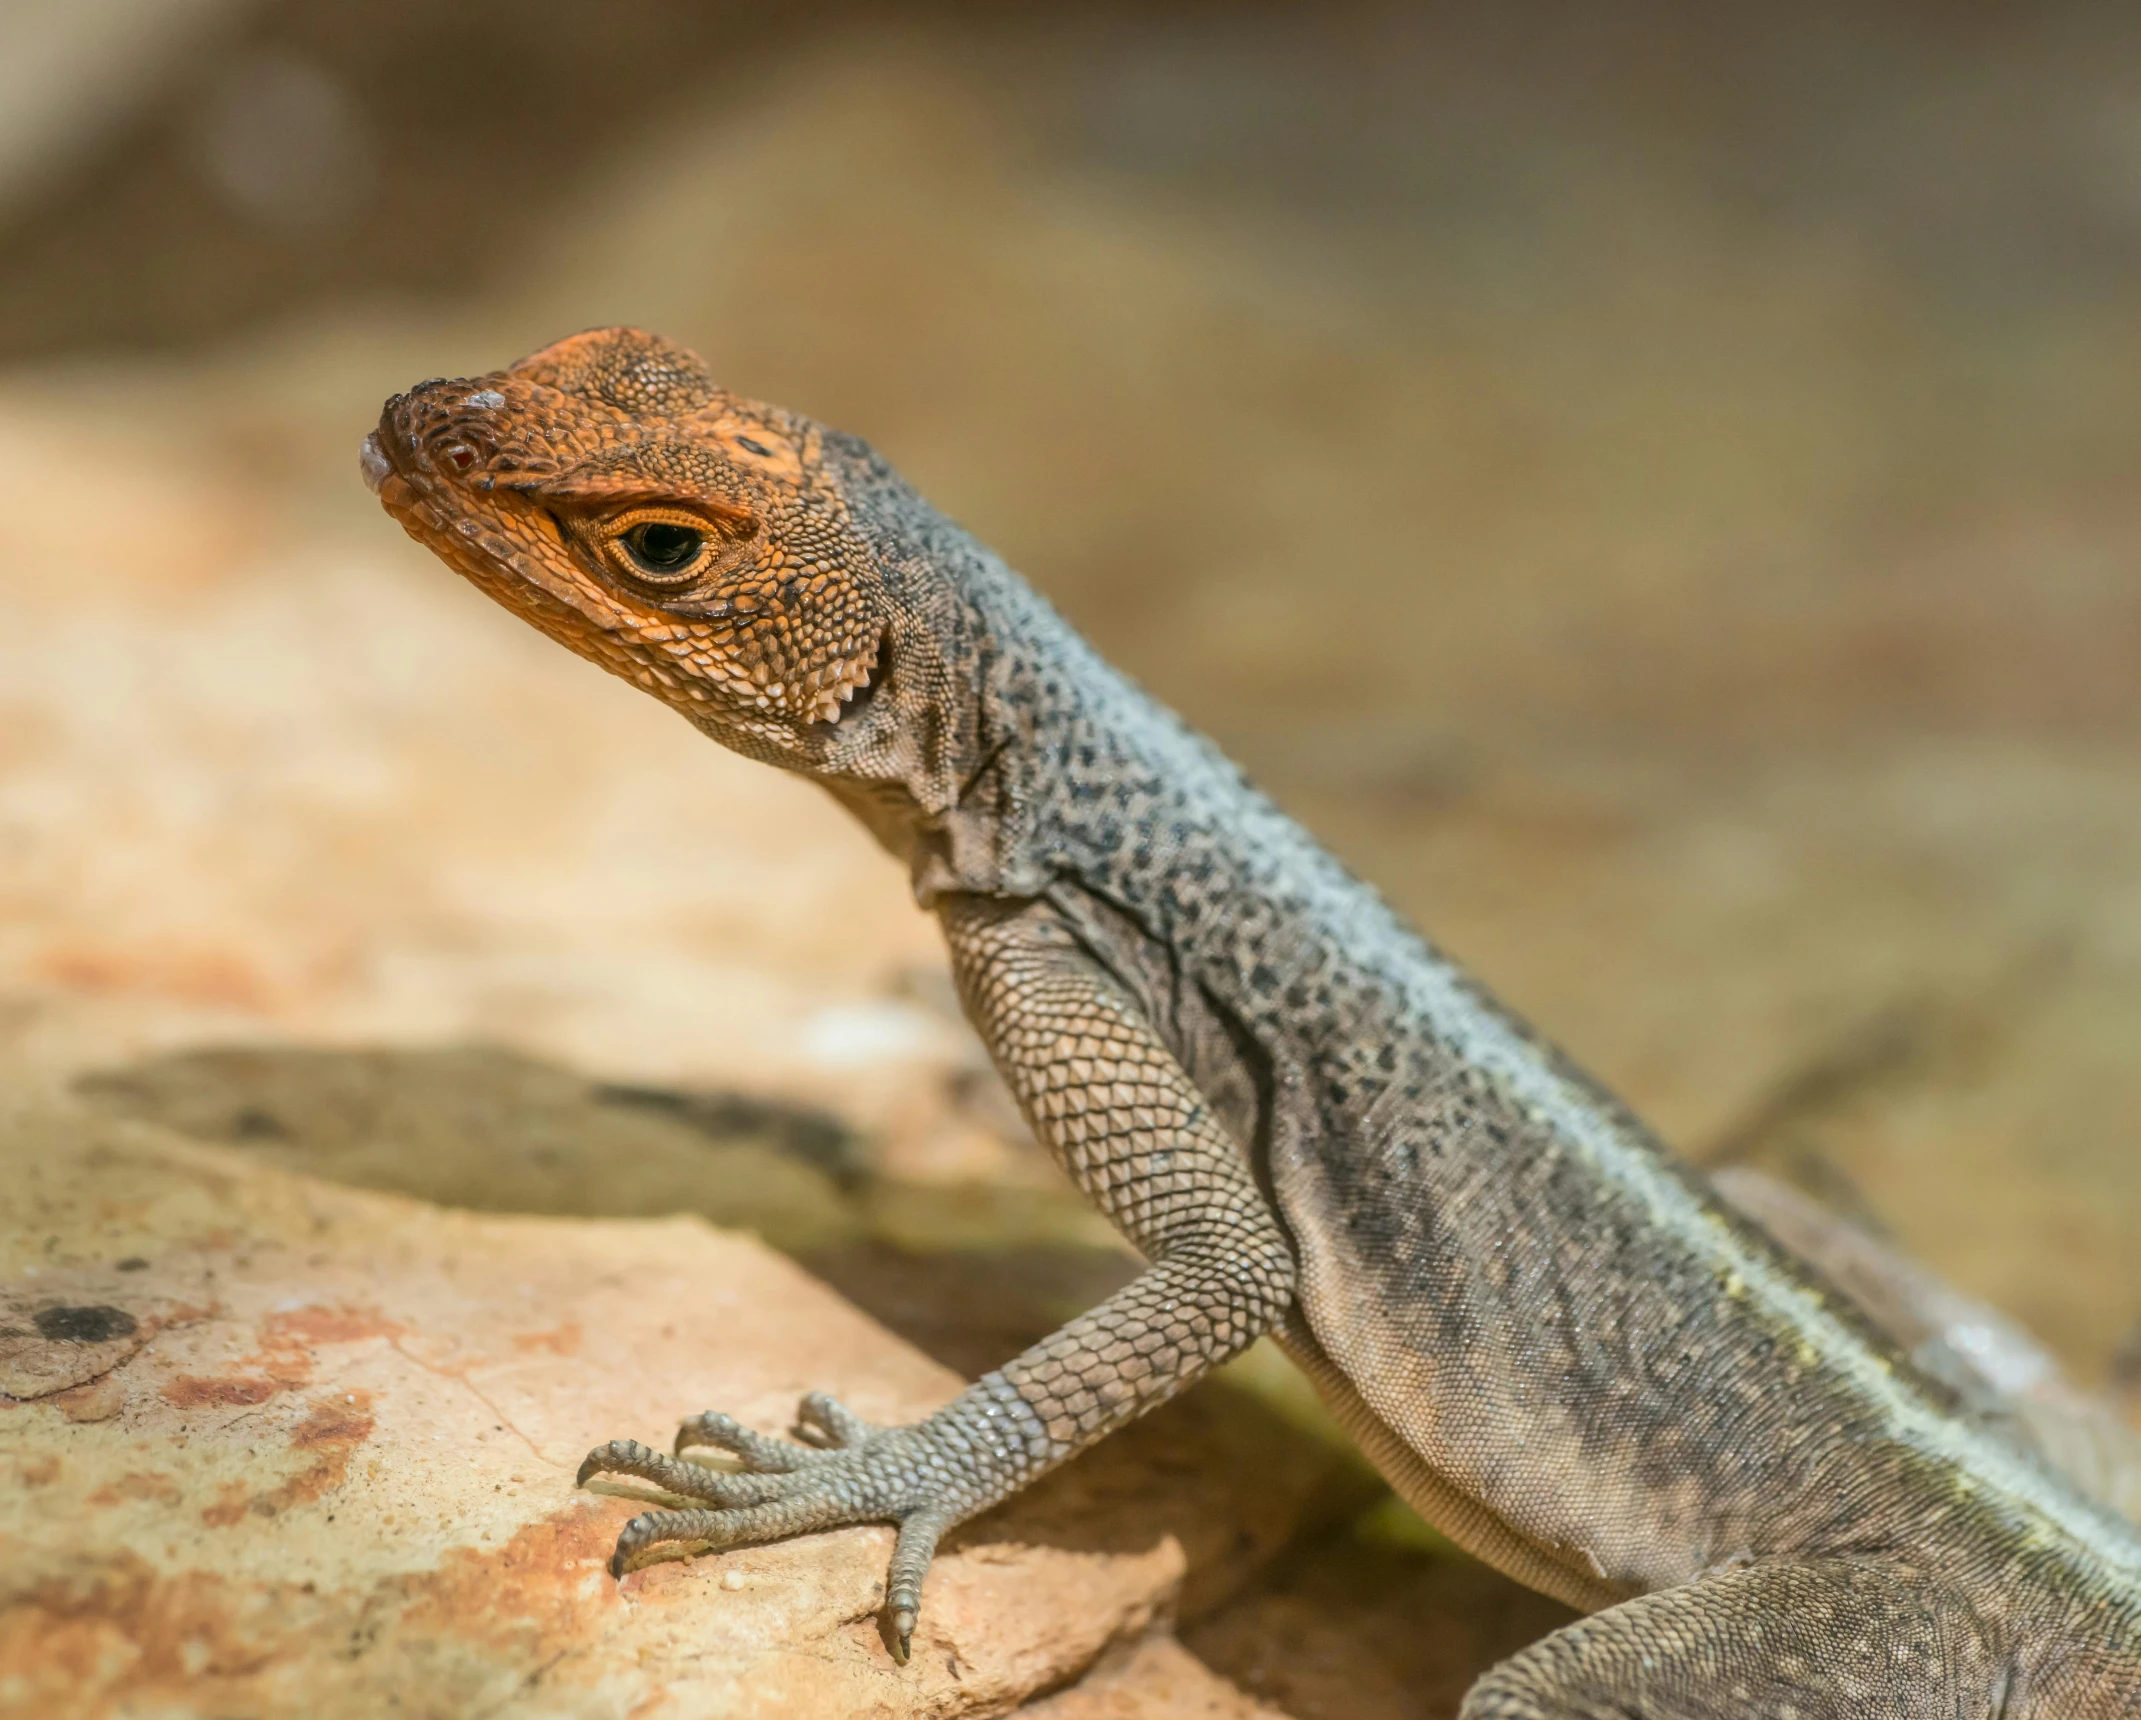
(1553, 1339)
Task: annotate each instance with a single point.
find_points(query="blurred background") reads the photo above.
(1652, 485)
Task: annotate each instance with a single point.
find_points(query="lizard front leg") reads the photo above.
(1120, 1113)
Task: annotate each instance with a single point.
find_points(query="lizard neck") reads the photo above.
(987, 699)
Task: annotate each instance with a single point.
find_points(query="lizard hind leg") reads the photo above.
(1831, 1639)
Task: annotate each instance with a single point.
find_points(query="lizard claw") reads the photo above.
(902, 1634)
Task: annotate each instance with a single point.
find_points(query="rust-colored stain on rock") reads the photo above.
(532, 1589)
(232, 1500)
(61, 1639)
(332, 1432)
(304, 1327)
(285, 1357)
(209, 977)
(206, 1391)
(345, 1422)
(153, 1485)
(559, 1340)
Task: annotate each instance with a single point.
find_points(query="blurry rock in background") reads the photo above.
(171, 169)
(191, 168)
(284, 142)
(72, 75)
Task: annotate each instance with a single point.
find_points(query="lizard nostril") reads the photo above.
(462, 456)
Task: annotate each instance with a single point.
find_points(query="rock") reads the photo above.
(497, 1130)
(282, 1447)
(1379, 1620)
(72, 75)
(1235, 1470)
(1157, 1679)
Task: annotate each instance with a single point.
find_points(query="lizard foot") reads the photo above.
(838, 1470)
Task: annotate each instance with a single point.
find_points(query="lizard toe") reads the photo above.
(823, 1421)
(680, 1476)
(850, 1487)
(761, 1453)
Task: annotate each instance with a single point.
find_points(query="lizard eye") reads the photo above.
(662, 552)
(663, 549)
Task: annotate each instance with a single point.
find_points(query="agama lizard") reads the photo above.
(1553, 1339)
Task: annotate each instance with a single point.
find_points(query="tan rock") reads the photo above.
(495, 1130)
(329, 1469)
(1235, 1470)
(1157, 1679)
(1379, 1620)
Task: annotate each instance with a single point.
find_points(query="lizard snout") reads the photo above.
(372, 461)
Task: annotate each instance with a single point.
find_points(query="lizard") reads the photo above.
(1555, 1339)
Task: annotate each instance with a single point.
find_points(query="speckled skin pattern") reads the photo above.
(1553, 1339)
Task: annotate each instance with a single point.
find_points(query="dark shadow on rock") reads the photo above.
(816, 1137)
(969, 1276)
(1238, 1483)
(494, 1130)
(971, 1309)
(1370, 1624)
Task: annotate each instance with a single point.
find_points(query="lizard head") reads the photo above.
(608, 492)
(770, 579)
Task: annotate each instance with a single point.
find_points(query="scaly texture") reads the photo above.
(1555, 1340)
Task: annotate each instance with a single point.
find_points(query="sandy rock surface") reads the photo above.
(1157, 1679)
(278, 1447)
